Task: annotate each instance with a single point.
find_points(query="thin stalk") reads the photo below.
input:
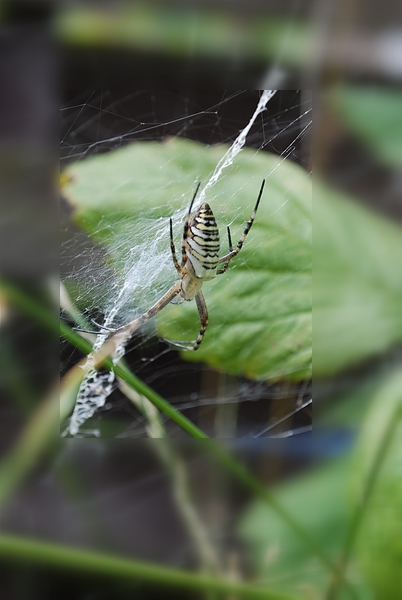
(73, 559)
(30, 306)
(206, 552)
(155, 427)
(102, 357)
(230, 463)
(23, 456)
(222, 455)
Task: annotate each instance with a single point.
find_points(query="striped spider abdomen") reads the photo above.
(202, 244)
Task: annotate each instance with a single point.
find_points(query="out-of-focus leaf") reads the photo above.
(260, 309)
(325, 501)
(319, 502)
(375, 116)
(179, 31)
(357, 288)
(379, 452)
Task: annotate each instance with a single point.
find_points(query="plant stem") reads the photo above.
(102, 357)
(74, 559)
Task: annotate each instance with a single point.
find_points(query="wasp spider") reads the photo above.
(200, 262)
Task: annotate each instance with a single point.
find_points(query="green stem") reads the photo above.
(24, 455)
(30, 306)
(137, 384)
(73, 559)
(212, 446)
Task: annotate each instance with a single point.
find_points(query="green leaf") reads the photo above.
(319, 501)
(178, 31)
(375, 116)
(377, 485)
(357, 289)
(355, 494)
(260, 309)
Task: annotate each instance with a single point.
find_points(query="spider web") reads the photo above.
(97, 122)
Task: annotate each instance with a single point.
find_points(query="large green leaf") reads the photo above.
(330, 500)
(260, 309)
(357, 288)
(318, 500)
(377, 481)
(375, 116)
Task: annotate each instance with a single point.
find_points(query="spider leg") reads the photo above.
(173, 249)
(203, 314)
(226, 264)
(228, 257)
(102, 329)
(110, 329)
(186, 228)
(86, 331)
(133, 326)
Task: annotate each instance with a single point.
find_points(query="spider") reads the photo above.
(200, 262)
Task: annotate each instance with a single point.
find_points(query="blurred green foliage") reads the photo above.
(319, 500)
(356, 287)
(178, 31)
(377, 470)
(374, 116)
(352, 501)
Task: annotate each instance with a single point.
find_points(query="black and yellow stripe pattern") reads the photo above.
(202, 244)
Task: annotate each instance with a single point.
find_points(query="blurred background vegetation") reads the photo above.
(105, 518)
